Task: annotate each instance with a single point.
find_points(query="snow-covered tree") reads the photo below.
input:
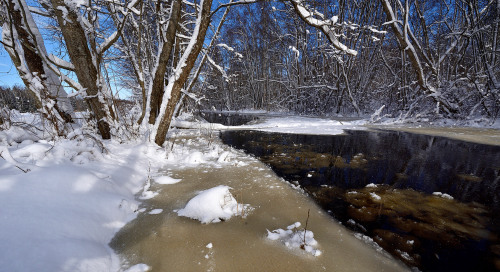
(22, 40)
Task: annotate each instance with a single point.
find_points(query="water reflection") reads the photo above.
(228, 119)
(401, 213)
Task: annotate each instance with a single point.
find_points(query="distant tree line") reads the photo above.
(416, 58)
(19, 98)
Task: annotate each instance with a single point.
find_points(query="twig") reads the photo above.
(25, 171)
(305, 230)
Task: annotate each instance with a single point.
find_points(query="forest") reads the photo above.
(406, 59)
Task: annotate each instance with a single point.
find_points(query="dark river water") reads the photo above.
(432, 202)
(229, 119)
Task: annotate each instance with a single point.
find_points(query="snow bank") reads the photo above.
(294, 238)
(61, 215)
(282, 124)
(214, 205)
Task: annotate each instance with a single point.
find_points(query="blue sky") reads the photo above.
(10, 77)
(8, 73)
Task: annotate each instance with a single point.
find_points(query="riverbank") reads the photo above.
(478, 131)
(61, 202)
(481, 135)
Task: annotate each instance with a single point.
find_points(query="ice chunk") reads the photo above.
(447, 196)
(374, 196)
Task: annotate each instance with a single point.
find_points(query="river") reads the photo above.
(431, 201)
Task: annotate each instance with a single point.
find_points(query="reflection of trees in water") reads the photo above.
(467, 171)
(411, 167)
(228, 119)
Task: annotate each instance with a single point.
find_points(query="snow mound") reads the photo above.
(214, 205)
(374, 196)
(166, 180)
(139, 268)
(447, 196)
(156, 211)
(294, 238)
(195, 158)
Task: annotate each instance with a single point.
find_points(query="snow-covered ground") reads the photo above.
(61, 214)
(306, 125)
(477, 130)
(286, 124)
(62, 201)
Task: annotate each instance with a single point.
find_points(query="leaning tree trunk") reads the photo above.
(180, 75)
(158, 85)
(84, 62)
(24, 43)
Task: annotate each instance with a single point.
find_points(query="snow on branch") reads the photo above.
(221, 70)
(241, 2)
(61, 63)
(297, 52)
(38, 11)
(376, 31)
(230, 49)
(5, 154)
(327, 26)
(195, 98)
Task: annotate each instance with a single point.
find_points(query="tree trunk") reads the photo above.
(30, 60)
(84, 62)
(181, 73)
(158, 85)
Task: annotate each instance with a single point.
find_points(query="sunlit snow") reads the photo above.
(292, 238)
(214, 205)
